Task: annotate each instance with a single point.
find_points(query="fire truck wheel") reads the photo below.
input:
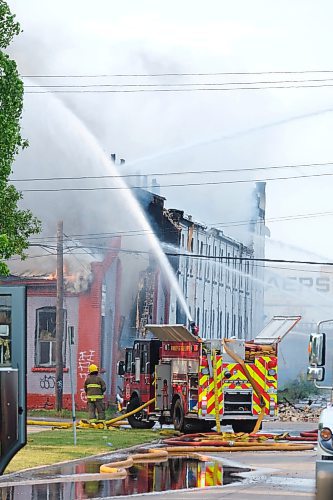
(135, 420)
(193, 425)
(178, 417)
(208, 426)
(243, 425)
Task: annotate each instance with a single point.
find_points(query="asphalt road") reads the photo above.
(279, 475)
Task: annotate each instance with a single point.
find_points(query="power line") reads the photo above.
(214, 258)
(316, 271)
(179, 84)
(217, 258)
(186, 172)
(93, 235)
(221, 73)
(201, 89)
(207, 183)
(144, 232)
(78, 260)
(248, 259)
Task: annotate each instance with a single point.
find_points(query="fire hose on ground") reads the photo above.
(240, 439)
(118, 468)
(192, 444)
(153, 455)
(83, 424)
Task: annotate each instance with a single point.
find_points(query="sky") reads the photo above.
(161, 132)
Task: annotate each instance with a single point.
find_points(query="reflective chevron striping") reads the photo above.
(203, 380)
(213, 474)
(259, 372)
(211, 391)
(238, 381)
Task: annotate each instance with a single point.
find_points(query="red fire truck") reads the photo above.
(197, 384)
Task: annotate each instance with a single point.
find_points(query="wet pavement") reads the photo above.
(174, 474)
(235, 475)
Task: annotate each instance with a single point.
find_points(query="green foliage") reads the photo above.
(8, 26)
(299, 388)
(16, 225)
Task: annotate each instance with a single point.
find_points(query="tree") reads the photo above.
(300, 388)
(16, 225)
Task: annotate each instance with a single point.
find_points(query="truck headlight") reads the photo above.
(326, 434)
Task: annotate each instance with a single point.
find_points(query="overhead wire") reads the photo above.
(78, 260)
(177, 84)
(215, 258)
(216, 73)
(205, 183)
(255, 265)
(185, 172)
(164, 90)
(255, 262)
(143, 232)
(251, 259)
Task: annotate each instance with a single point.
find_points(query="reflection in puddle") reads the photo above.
(175, 473)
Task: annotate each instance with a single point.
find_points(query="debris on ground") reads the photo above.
(307, 413)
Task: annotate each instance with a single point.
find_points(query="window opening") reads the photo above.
(46, 336)
(5, 330)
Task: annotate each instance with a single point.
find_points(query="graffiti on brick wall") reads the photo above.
(86, 358)
(83, 396)
(47, 382)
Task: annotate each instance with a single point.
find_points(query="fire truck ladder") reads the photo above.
(216, 393)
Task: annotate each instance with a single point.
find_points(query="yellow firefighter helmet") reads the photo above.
(93, 368)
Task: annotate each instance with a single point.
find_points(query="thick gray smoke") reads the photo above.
(133, 125)
(71, 38)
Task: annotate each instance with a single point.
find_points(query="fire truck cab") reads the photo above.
(195, 383)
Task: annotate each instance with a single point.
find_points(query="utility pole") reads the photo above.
(59, 316)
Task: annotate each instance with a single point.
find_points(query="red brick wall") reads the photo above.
(47, 401)
(89, 328)
(116, 353)
(89, 331)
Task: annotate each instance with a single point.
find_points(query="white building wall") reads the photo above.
(40, 380)
(219, 294)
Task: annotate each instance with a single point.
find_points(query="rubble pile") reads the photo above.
(307, 413)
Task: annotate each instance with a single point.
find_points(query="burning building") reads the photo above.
(222, 286)
(124, 287)
(92, 311)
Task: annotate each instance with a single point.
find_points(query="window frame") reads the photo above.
(52, 343)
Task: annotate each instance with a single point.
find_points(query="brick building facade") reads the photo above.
(90, 312)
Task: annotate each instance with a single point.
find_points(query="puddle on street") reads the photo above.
(173, 474)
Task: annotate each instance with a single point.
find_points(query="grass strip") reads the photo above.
(50, 414)
(49, 447)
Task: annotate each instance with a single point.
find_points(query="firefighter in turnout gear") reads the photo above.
(95, 387)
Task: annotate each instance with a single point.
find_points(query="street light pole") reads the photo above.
(59, 317)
